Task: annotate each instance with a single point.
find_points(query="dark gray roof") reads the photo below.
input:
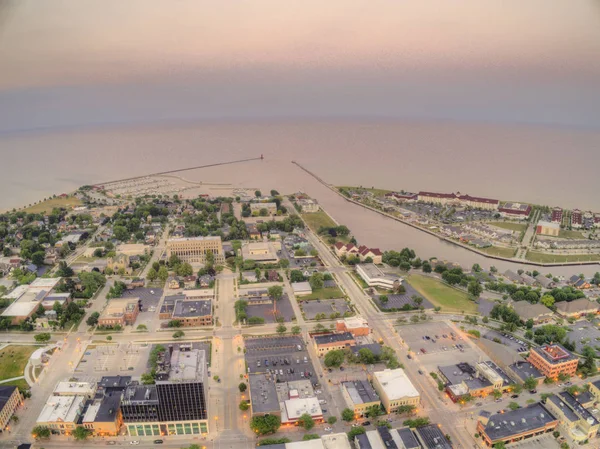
(569, 414)
(363, 388)
(108, 408)
(140, 394)
(584, 397)
(6, 391)
(408, 438)
(386, 437)
(502, 427)
(363, 441)
(569, 399)
(263, 394)
(331, 338)
(525, 370)
(375, 348)
(115, 382)
(186, 309)
(432, 437)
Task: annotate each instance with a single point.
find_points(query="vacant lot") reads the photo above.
(48, 205)
(13, 360)
(518, 227)
(564, 234)
(316, 220)
(498, 251)
(324, 293)
(551, 258)
(442, 295)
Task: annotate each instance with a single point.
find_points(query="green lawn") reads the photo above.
(13, 360)
(376, 192)
(48, 205)
(518, 227)
(559, 258)
(19, 383)
(324, 293)
(442, 295)
(317, 219)
(498, 251)
(564, 234)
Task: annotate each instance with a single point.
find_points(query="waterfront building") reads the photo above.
(518, 211)
(576, 219)
(194, 249)
(308, 205)
(557, 215)
(459, 200)
(374, 277)
(547, 228)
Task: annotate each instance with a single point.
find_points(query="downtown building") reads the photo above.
(176, 404)
(194, 249)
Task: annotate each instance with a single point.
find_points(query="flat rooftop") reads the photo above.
(140, 394)
(525, 370)
(263, 394)
(527, 419)
(61, 408)
(74, 388)
(554, 354)
(194, 239)
(396, 383)
(433, 437)
(187, 366)
(333, 338)
(187, 309)
(293, 409)
(361, 391)
(579, 409)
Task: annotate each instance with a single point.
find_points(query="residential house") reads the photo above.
(545, 282)
(577, 308)
(539, 313)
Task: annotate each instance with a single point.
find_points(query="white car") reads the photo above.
(135, 443)
(328, 429)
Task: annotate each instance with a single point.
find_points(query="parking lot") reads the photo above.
(398, 301)
(312, 308)
(265, 311)
(584, 333)
(435, 355)
(507, 340)
(270, 354)
(126, 359)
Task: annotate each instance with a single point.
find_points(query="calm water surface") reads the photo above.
(489, 98)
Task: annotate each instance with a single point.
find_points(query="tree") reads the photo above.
(513, 406)
(306, 421)
(475, 289)
(152, 274)
(275, 292)
(281, 329)
(476, 268)
(38, 257)
(331, 420)
(497, 394)
(356, 431)
(517, 388)
(296, 330)
(310, 436)
(43, 337)
(383, 299)
(426, 267)
(296, 276)
(530, 383)
(163, 274)
(316, 281)
(500, 445)
(373, 412)
(108, 338)
(81, 433)
(185, 269)
(263, 425)
(244, 406)
(93, 319)
(348, 415)
(41, 432)
(242, 387)
(334, 358)
(257, 193)
(178, 334)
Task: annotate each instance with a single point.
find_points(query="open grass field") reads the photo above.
(48, 205)
(13, 360)
(565, 234)
(318, 219)
(442, 295)
(518, 227)
(19, 383)
(376, 192)
(498, 251)
(324, 293)
(559, 258)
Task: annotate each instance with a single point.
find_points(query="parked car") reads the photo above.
(534, 391)
(366, 423)
(409, 356)
(514, 396)
(423, 351)
(158, 441)
(420, 372)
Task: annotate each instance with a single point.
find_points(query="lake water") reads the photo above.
(480, 97)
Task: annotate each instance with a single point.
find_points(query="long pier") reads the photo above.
(179, 170)
(445, 239)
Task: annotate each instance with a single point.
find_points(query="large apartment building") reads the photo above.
(194, 249)
(552, 360)
(459, 199)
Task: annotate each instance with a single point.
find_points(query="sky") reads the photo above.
(71, 64)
